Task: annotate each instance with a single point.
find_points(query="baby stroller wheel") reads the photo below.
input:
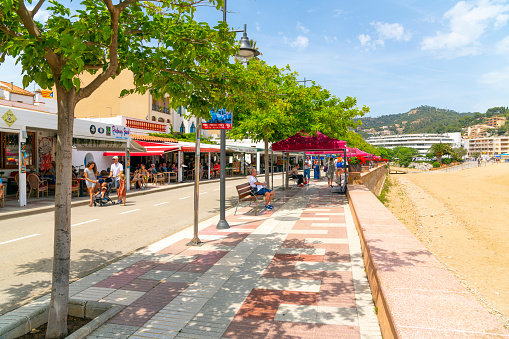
(113, 202)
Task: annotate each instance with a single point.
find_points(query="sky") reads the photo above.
(392, 55)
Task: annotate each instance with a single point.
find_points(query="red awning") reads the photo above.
(153, 148)
(202, 149)
(302, 142)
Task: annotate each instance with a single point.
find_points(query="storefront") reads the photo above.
(27, 143)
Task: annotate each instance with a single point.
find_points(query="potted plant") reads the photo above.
(356, 163)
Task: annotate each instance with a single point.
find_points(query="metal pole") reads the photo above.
(196, 241)
(222, 224)
(272, 168)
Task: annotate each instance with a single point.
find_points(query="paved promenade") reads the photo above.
(294, 272)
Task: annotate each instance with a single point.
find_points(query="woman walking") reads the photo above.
(91, 180)
(330, 171)
(122, 189)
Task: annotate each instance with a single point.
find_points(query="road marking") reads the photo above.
(84, 222)
(217, 189)
(28, 236)
(162, 203)
(130, 211)
(185, 197)
(203, 193)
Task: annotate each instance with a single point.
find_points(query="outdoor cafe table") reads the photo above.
(168, 176)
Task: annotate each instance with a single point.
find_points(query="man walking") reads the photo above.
(261, 190)
(115, 171)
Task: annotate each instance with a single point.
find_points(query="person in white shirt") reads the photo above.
(261, 190)
(307, 170)
(115, 170)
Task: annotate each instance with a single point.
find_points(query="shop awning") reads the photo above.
(202, 149)
(152, 148)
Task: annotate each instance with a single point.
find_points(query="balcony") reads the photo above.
(160, 109)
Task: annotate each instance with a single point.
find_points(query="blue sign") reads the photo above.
(220, 119)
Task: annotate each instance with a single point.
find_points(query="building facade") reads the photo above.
(488, 146)
(421, 142)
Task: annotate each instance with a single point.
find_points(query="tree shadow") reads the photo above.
(83, 263)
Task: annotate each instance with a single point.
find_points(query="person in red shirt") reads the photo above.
(217, 168)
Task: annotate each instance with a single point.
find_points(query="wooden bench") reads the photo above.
(244, 192)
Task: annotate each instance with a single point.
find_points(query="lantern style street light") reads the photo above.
(246, 53)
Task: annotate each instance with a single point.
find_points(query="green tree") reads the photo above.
(404, 155)
(458, 153)
(159, 41)
(439, 150)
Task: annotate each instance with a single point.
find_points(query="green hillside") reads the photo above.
(423, 119)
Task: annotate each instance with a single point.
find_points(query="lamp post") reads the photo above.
(246, 53)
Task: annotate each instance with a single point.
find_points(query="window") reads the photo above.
(179, 110)
(182, 128)
(153, 118)
(160, 120)
(167, 121)
(9, 150)
(193, 129)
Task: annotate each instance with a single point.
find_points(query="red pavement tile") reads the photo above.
(209, 258)
(300, 298)
(260, 304)
(195, 268)
(126, 275)
(286, 257)
(141, 285)
(294, 330)
(170, 266)
(175, 248)
(243, 328)
(311, 258)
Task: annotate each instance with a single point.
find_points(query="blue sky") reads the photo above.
(392, 55)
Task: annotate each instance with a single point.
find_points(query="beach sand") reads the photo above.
(462, 217)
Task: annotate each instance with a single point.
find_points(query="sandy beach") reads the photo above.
(462, 217)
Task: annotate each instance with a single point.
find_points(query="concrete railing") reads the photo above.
(416, 296)
(373, 179)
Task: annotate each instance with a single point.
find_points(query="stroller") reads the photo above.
(103, 201)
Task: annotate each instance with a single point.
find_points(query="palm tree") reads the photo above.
(439, 150)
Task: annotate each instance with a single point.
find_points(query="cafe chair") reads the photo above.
(37, 185)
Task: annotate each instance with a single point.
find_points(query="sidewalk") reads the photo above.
(294, 272)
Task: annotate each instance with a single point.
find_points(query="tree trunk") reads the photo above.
(57, 321)
(266, 156)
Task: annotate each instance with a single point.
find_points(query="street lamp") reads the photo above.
(246, 53)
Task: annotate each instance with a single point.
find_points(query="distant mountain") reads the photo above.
(423, 119)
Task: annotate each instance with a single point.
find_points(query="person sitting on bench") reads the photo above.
(295, 175)
(261, 190)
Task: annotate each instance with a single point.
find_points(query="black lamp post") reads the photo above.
(246, 53)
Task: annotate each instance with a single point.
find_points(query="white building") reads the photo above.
(421, 142)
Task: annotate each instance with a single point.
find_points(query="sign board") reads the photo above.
(23, 156)
(47, 94)
(220, 119)
(128, 158)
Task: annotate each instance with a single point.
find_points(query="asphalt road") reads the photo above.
(99, 235)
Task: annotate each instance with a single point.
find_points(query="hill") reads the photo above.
(423, 119)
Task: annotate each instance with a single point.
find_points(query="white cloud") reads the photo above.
(336, 12)
(257, 25)
(300, 43)
(503, 46)
(384, 31)
(497, 79)
(329, 39)
(468, 21)
(302, 28)
(42, 15)
(364, 39)
(394, 31)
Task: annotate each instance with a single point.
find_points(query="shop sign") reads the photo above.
(9, 118)
(120, 132)
(92, 129)
(100, 130)
(108, 130)
(220, 119)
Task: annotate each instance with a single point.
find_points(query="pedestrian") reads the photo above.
(339, 165)
(115, 171)
(295, 175)
(122, 190)
(330, 171)
(91, 180)
(260, 189)
(307, 170)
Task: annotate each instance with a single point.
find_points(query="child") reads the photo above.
(122, 190)
(102, 192)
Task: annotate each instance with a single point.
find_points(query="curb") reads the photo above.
(15, 214)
